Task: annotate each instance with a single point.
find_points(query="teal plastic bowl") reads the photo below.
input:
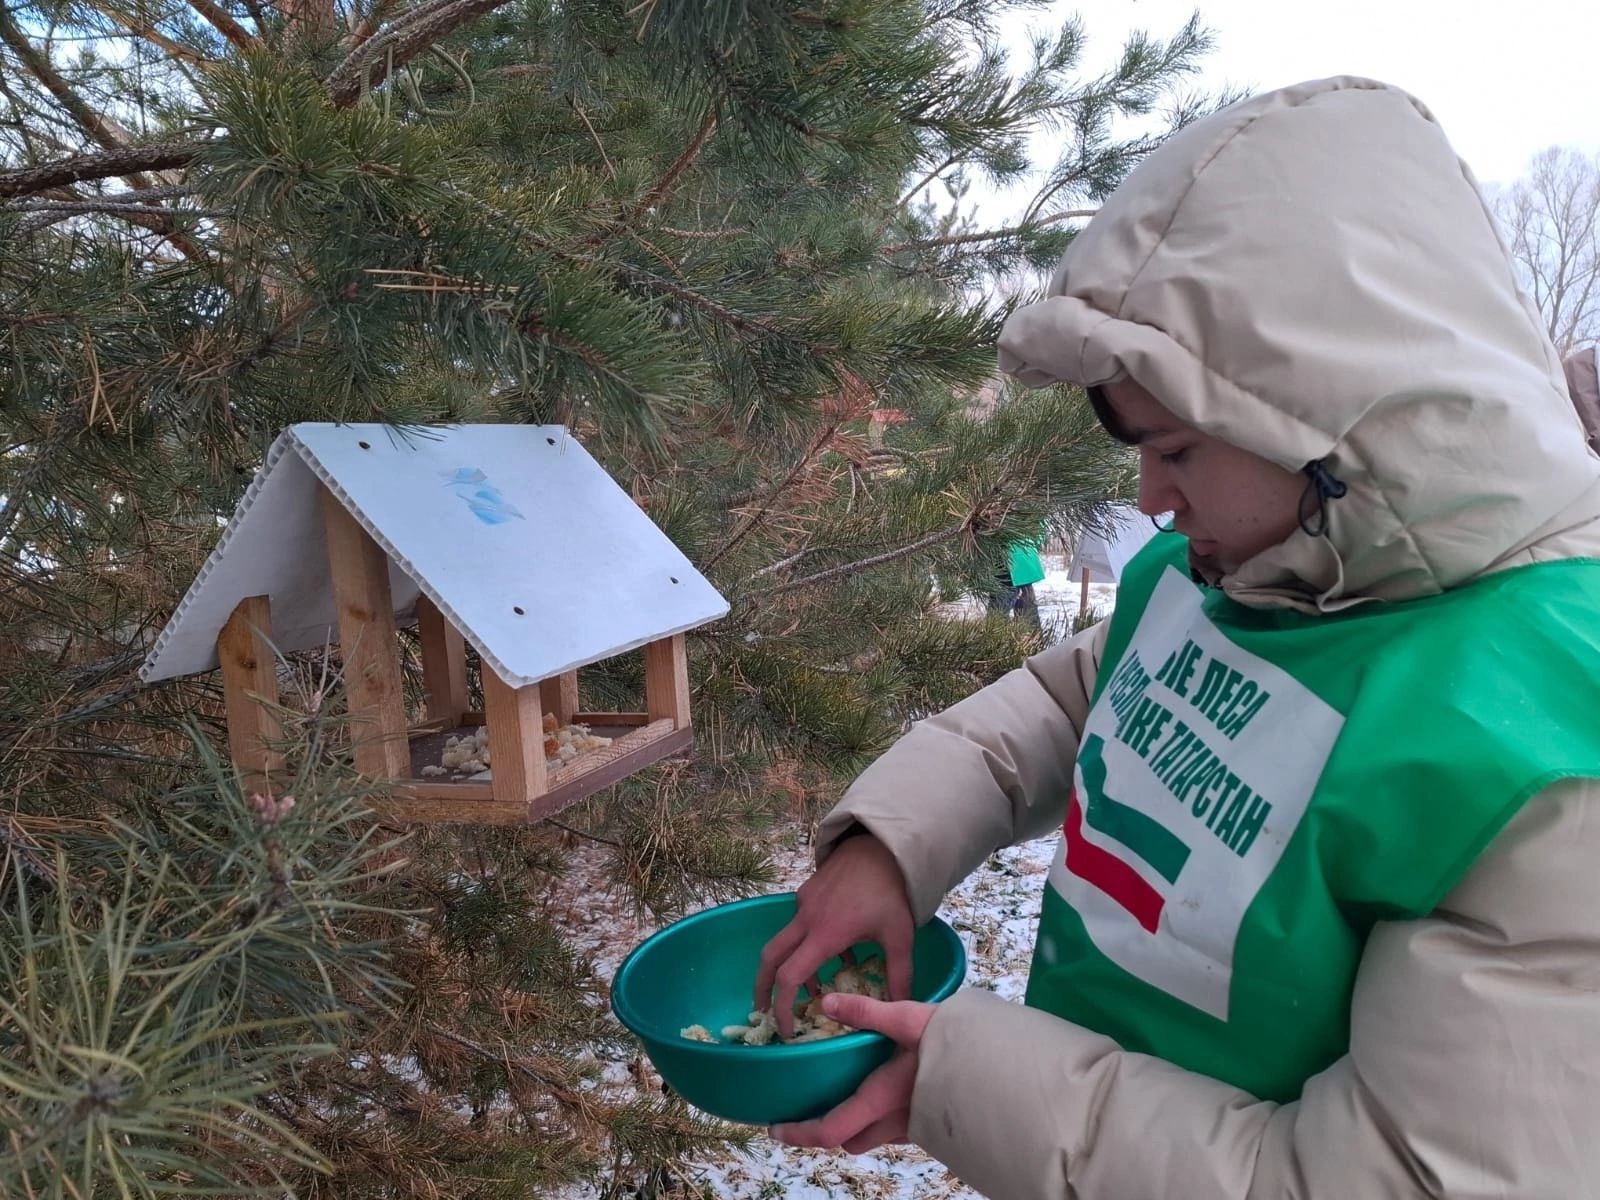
(702, 971)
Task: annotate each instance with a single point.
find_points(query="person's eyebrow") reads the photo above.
(1128, 435)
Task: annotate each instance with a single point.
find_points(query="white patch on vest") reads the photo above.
(1279, 753)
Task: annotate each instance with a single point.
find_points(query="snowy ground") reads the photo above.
(996, 912)
(1058, 596)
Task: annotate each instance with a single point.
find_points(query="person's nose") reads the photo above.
(1158, 494)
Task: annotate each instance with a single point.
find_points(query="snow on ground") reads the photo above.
(1058, 595)
(995, 912)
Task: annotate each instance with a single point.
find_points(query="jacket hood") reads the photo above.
(1312, 274)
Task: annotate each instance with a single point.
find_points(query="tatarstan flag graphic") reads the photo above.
(1137, 836)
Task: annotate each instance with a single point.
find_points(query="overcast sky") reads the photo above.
(1504, 79)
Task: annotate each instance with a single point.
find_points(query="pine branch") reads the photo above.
(739, 322)
(258, 14)
(362, 52)
(701, 234)
(491, 302)
(26, 320)
(910, 192)
(963, 239)
(526, 1067)
(368, 25)
(587, 836)
(611, 167)
(348, 82)
(22, 494)
(876, 560)
(1131, 153)
(97, 126)
(786, 562)
(517, 70)
(70, 208)
(309, 19)
(67, 196)
(142, 212)
(665, 184)
(149, 33)
(157, 220)
(659, 190)
(225, 24)
(129, 160)
(752, 520)
(27, 851)
(290, 321)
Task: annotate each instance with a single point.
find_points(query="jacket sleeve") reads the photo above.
(987, 772)
(1473, 1071)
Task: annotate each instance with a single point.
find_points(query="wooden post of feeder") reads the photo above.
(516, 739)
(666, 681)
(1083, 595)
(560, 697)
(444, 665)
(250, 690)
(367, 642)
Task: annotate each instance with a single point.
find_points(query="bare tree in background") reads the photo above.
(1551, 218)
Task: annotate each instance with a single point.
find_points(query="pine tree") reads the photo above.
(689, 230)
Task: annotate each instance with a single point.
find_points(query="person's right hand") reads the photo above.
(857, 895)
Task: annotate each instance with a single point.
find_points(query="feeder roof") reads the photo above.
(519, 537)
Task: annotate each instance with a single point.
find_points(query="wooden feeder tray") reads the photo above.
(637, 742)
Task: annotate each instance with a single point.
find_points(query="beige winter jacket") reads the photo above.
(1308, 274)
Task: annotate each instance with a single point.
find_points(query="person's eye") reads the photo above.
(1174, 457)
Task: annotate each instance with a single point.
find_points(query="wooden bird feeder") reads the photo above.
(508, 538)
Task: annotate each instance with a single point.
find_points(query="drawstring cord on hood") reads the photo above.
(1324, 486)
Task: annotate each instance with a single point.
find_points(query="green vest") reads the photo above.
(1024, 563)
(1255, 789)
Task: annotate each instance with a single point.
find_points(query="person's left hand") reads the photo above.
(879, 1111)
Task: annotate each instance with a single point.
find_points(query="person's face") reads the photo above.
(1229, 503)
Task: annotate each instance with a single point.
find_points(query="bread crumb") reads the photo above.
(869, 978)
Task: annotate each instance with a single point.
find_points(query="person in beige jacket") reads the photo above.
(1300, 310)
(1582, 368)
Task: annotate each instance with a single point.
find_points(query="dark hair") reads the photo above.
(1108, 416)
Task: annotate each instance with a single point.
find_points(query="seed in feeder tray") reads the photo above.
(565, 743)
(458, 751)
(469, 753)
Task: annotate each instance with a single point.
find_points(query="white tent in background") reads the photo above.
(1100, 559)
